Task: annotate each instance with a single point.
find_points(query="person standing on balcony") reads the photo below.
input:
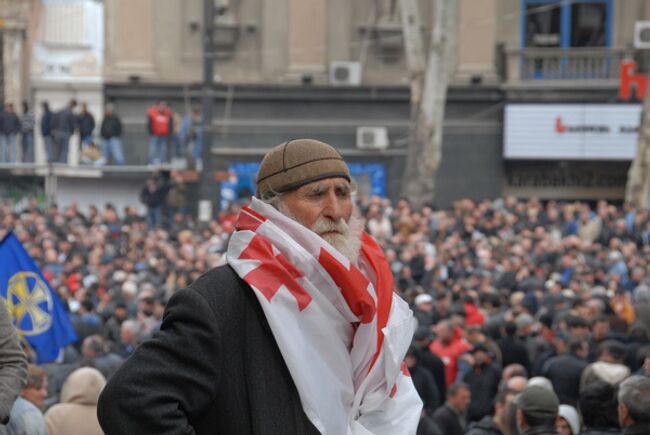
(27, 130)
(191, 134)
(10, 128)
(161, 127)
(47, 121)
(111, 132)
(64, 126)
(86, 125)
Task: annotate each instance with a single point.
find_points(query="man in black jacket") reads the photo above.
(219, 364)
(86, 125)
(9, 129)
(564, 371)
(452, 416)
(483, 380)
(111, 133)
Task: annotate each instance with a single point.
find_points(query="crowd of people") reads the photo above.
(170, 134)
(532, 316)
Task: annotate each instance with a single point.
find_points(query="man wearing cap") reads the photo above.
(537, 409)
(299, 333)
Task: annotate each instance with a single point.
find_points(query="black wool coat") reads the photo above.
(213, 368)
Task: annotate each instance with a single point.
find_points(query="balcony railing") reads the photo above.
(564, 64)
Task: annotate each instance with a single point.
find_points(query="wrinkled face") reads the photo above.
(330, 199)
(326, 208)
(36, 394)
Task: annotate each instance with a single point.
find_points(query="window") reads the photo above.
(566, 23)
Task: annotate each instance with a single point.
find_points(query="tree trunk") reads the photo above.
(637, 191)
(428, 96)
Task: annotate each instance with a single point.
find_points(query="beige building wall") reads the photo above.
(16, 25)
(283, 41)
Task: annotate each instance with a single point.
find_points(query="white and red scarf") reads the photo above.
(341, 330)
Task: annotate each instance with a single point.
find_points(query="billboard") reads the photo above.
(571, 131)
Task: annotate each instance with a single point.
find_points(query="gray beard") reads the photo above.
(348, 239)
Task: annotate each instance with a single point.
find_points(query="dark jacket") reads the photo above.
(155, 198)
(483, 383)
(46, 123)
(599, 431)
(564, 372)
(111, 127)
(86, 123)
(435, 366)
(213, 368)
(448, 421)
(65, 121)
(485, 427)
(10, 123)
(513, 351)
(426, 388)
(637, 429)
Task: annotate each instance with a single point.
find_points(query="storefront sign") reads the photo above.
(571, 131)
(631, 83)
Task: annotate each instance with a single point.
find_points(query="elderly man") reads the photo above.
(300, 333)
(634, 405)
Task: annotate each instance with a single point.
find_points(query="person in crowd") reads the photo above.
(568, 421)
(423, 381)
(430, 361)
(111, 134)
(85, 125)
(77, 411)
(609, 367)
(191, 135)
(177, 197)
(512, 349)
(423, 310)
(483, 381)
(634, 405)
(537, 410)
(452, 416)
(153, 196)
(160, 126)
(27, 123)
(9, 129)
(598, 407)
(300, 223)
(26, 417)
(47, 130)
(130, 333)
(565, 371)
(62, 128)
(449, 346)
(496, 424)
(13, 365)
(95, 353)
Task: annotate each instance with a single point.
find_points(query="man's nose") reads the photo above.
(333, 207)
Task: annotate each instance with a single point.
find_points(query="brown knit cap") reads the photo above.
(296, 163)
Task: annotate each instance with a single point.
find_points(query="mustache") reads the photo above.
(325, 225)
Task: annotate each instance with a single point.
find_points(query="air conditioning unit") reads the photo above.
(642, 34)
(372, 138)
(345, 73)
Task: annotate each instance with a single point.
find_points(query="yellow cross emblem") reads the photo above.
(30, 303)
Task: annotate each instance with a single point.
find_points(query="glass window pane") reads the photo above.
(543, 24)
(588, 24)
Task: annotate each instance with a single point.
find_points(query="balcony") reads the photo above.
(553, 65)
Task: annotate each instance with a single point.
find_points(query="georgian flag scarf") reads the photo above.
(341, 330)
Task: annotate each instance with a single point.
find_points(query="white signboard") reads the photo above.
(571, 131)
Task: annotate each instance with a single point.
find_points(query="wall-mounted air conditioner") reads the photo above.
(345, 73)
(372, 138)
(642, 34)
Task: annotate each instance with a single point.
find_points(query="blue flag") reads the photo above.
(35, 309)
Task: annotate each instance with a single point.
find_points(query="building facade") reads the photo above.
(336, 70)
